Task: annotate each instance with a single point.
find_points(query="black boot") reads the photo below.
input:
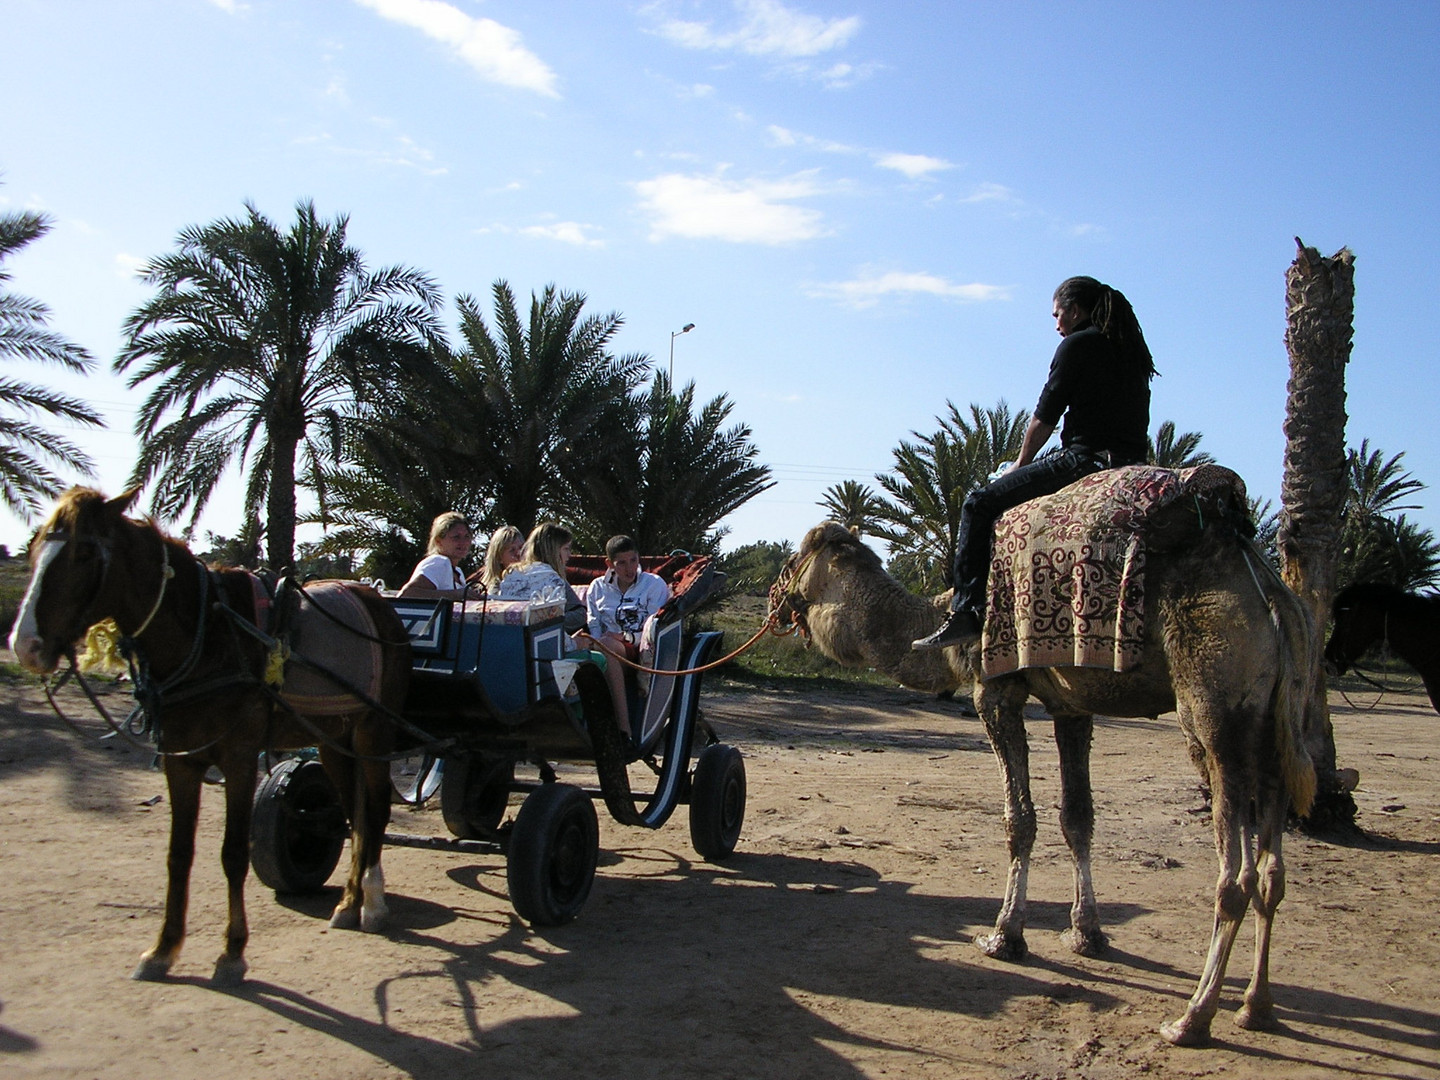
(961, 627)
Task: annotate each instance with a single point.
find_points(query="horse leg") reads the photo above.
(1073, 733)
(1000, 704)
(239, 769)
(183, 777)
(1258, 1012)
(1233, 892)
(364, 786)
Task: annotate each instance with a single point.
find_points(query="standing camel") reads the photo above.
(1226, 646)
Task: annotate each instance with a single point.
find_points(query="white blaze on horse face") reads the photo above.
(25, 638)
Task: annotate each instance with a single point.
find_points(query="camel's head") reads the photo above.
(826, 548)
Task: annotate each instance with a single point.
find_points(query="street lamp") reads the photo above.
(673, 335)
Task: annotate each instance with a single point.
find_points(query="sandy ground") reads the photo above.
(836, 943)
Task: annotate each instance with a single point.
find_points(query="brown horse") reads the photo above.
(1227, 646)
(1409, 624)
(90, 562)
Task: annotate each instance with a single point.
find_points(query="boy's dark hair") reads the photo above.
(617, 545)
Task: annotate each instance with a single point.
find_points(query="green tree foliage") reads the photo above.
(667, 473)
(752, 568)
(854, 505)
(29, 452)
(1171, 451)
(1377, 541)
(258, 344)
(929, 483)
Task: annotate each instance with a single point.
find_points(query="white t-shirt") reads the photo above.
(443, 574)
(609, 610)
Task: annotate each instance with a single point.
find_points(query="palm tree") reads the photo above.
(28, 451)
(932, 477)
(260, 344)
(667, 474)
(854, 505)
(1377, 542)
(532, 404)
(1171, 451)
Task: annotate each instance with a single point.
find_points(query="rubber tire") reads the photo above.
(552, 854)
(472, 809)
(298, 828)
(717, 802)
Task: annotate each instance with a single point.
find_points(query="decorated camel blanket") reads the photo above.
(1067, 575)
(343, 644)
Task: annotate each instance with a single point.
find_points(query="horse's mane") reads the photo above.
(78, 505)
(1384, 595)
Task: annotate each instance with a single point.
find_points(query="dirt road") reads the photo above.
(835, 944)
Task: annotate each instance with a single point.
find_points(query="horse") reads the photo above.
(200, 678)
(1407, 622)
(1226, 645)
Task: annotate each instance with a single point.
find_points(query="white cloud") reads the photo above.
(496, 52)
(915, 166)
(128, 267)
(869, 287)
(739, 211)
(567, 232)
(780, 136)
(231, 7)
(767, 28)
(988, 192)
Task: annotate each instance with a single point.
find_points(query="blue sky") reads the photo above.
(863, 207)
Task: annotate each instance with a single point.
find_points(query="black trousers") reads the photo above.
(1045, 475)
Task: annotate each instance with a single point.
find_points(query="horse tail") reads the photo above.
(1290, 701)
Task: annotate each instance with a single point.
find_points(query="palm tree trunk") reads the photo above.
(1320, 309)
(280, 503)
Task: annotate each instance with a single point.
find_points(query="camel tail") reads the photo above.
(1291, 699)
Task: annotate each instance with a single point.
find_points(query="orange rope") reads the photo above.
(769, 625)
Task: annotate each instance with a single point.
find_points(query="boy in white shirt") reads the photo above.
(618, 605)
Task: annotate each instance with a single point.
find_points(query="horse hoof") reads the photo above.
(1093, 943)
(1257, 1018)
(1183, 1032)
(1003, 947)
(151, 969)
(345, 918)
(372, 922)
(229, 971)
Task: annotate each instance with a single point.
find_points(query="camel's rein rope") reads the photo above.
(1384, 640)
(779, 592)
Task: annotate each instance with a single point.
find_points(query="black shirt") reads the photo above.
(1105, 406)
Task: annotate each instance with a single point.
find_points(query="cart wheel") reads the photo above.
(474, 794)
(552, 855)
(717, 801)
(298, 829)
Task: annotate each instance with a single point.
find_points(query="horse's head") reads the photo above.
(70, 559)
(1359, 613)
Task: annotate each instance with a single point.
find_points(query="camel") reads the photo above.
(1226, 645)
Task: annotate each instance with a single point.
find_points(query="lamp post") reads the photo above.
(673, 335)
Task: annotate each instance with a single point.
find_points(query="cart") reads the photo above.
(509, 708)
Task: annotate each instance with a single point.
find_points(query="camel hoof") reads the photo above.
(1257, 1018)
(1003, 947)
(1092, 943)
(151, 969)
(345, 918)
(1184, 1032)
(229, 971)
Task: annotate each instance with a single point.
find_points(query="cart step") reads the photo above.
(444, 843)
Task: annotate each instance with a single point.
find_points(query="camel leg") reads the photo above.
(1000, 704)
(183, 778)
(1073, 734)
(1258, 1011)
(1233, 892)
(239, 769)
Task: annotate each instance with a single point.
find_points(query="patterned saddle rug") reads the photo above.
(340, 639)
(1067, 574)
